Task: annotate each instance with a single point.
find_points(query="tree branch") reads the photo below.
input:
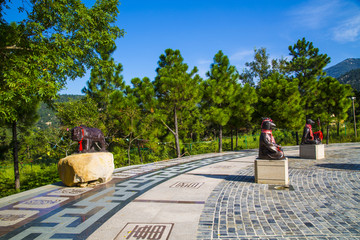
(167, 127)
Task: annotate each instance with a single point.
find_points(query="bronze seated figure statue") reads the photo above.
(87, 137)
(308, 136)
(268, 149)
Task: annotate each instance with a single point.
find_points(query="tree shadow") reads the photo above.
(344, 166)
(238, 178)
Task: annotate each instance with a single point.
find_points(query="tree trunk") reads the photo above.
(237, 138)
(16, 157)
(177, 143)
(232, 142)
(129, 146)
(327, 134)
(220, 139)
(141, 158)
(338, 129)
(297, 137)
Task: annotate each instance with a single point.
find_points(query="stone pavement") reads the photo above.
(210, 196)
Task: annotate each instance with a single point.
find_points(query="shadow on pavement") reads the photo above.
(345, 166)
(239, 178)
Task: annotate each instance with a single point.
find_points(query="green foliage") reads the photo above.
(176, 90)
(32, 176)
(75, 113)
(280, 100)
(306, 66)
(260, 67)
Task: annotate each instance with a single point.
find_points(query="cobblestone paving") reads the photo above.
(324, 202)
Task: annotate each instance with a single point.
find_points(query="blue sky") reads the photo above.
(200, 28)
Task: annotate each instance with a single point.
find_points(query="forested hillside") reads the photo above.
(343, 67)
(47, 115)
(352, 77)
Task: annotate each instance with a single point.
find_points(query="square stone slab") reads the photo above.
(71, 191)
(312, 151)
(272, 171)
(12, 217)
(158, 231)
(41, 202)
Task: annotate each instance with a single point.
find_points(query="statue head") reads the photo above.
(267, 124)
(309, 121)
(76, 133)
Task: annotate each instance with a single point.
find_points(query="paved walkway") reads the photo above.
(211, 196)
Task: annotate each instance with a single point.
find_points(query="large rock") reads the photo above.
(79, 169)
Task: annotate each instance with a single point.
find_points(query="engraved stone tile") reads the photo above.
(187, 185)
(133, 231)
(71, 191)
(11, 217)
(41, 202)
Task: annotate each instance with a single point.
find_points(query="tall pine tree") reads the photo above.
(219, 92)
(176, 90)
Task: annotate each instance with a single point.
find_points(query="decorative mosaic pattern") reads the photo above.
(150, 231)
(77, 220)
(72, 191)
(41, 202)
(12, 217)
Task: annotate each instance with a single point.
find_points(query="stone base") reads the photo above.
(80, 169)
(272, 171)
(312, 151)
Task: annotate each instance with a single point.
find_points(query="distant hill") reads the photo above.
(352, 77)
(47, 115)
(343, 67)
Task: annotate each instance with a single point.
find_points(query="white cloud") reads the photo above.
(348, 30)
(315, 14)
(241, 55)
(339, 18)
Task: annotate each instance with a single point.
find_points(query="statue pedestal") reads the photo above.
(272, 171)
(80, 169)
(312, 151)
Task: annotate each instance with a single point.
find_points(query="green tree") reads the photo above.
(306, 65)
(105, 79)
(176, 90)
(332, 101)
(259, 68)
(219, 92)
(243, 107)
(56, 42)
(281, 100)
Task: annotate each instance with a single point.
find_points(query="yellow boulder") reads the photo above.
(79, 169)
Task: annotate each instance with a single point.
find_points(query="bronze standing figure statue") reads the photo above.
(268, 149)
(87, 137)
(308, 136)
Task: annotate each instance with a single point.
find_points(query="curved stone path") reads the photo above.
(73, 213)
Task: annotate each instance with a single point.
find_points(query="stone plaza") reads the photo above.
(209, 196)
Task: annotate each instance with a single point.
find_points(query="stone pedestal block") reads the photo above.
(272, 171)
(312, 151)
(79, 169)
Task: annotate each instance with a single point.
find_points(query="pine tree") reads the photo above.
(176, 90)
(332, 100)
(219, 92)
(281, 100)
(307, 66)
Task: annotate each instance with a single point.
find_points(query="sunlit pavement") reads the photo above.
(210, 196)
